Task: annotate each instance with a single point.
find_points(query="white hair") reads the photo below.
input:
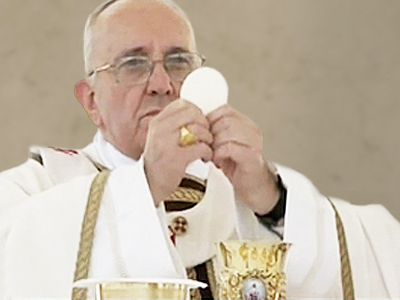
(91, 21)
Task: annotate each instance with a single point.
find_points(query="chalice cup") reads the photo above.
(139, 289)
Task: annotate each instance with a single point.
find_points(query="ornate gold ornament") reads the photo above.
(251, 270)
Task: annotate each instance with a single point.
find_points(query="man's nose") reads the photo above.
(159, 82)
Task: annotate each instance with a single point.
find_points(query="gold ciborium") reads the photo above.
(251, 270)
(139, 289)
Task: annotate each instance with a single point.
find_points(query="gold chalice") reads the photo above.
(139, 289)
(251, 270)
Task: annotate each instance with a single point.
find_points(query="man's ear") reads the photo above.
(85, 95)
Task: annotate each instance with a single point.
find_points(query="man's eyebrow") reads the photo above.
(134, 52)
(177, 50)
(142, 52)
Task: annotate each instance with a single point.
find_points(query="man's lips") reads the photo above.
(151, 113)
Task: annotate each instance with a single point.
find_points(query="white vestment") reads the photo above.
(42, 208)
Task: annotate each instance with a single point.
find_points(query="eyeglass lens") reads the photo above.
(137, 69)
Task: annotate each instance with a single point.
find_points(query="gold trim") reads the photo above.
(345, 266)
(186, 195)
(87, 232)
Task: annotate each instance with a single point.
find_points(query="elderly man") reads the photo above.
(137, 54)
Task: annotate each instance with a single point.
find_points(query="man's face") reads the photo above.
(139, 27)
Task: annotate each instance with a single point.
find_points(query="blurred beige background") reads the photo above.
(320, 78)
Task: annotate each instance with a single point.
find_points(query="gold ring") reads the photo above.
(186, 137)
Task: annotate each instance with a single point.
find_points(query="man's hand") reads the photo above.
(238, 151)
(165, 161)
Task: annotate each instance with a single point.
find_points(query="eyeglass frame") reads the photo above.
(123, 59)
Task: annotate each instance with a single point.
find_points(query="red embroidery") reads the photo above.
(65, 151)
(173, 235)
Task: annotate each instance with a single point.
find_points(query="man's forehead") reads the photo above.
(142, 24)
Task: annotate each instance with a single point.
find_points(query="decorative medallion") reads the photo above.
(254, 289)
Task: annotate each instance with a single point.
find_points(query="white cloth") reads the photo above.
(113, 254)
(42, 207)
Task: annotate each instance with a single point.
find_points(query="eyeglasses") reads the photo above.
(131, 70)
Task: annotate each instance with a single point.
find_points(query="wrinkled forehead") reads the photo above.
(153, 26)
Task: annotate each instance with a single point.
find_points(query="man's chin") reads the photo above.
(139, 143)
